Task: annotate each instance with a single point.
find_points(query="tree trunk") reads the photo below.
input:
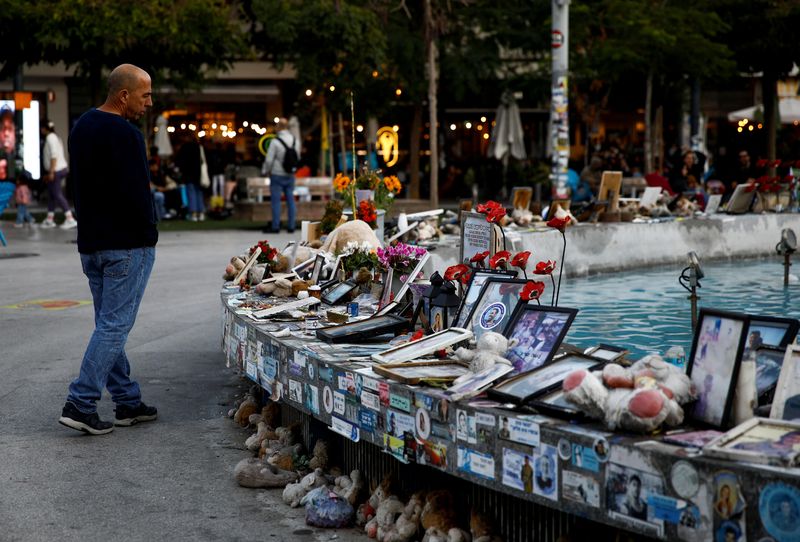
(416, 135)
(648, 125)
(432, 106)
(769, 93)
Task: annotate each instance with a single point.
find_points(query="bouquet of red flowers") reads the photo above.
(268, 253)
(368, 213)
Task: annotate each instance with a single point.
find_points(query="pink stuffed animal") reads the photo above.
(639, 398)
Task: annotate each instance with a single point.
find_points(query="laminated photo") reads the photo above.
(545, 479)
(477, 463)
(397, 424)
(517, 470)
(312, 398)
(519, 430)
(295, 391)
(580, 488)
(627, 493)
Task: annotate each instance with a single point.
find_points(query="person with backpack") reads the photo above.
(280, 164)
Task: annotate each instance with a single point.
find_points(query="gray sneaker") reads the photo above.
(88, 423)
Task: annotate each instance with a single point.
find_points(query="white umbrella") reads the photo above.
(507, 136)
(162, 137)
(789, 109)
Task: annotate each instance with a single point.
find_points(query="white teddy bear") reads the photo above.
(489, 351)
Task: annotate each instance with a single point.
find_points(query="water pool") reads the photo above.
(647, 311)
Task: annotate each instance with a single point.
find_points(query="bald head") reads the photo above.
(126, 77)
(129, 92)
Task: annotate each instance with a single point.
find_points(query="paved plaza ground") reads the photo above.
(166, 480)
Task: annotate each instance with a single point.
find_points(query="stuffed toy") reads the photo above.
(380, 493)
(481, 528)
(232, 269)
(284, 458)
(284, 438)
(294, 493)
(522, 217)
(349, 487)
(253, 442)
(406, 527)
(325, 508)
(489, 351)
(299, 285)
(353, 231)
(256, 273)
(319, 460)
(639, 398)
(434, 534)
(252, 472)
(385, 517)
(246, 408)
(439, 511)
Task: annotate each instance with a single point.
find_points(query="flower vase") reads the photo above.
(362, 195)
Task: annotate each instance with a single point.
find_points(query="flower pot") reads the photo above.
(362, 195)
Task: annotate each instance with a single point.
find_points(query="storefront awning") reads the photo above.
(789, 111)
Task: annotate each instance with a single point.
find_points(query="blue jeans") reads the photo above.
(282, 184)
(195, 195)
(117, 279)
(158, 198)
(24, 215)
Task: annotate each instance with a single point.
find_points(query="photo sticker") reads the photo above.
(492, 316)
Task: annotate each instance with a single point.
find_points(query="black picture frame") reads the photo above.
(523, 388)
(607, 352)
(552, 403)
(505, 310)
(768, 327)
(769, 362)
(714, 363)
(316, 273)
(337, 292)
(463, 308)
(363, 329)
(537, 341)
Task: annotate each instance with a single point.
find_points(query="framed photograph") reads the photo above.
(768, 331)
(247, 265)
(627, 497)
(769, 361)
(610, 184)
(473, 291)
(303, 269)
(412, 276)
(414, 372)
(606, 352)
(492, 310)
(713, 367)
(538, 331)
(741, 200)
(521, 197)
(691, 439)
(472, 384)
(337, 293)
(553, 403)
(555, 205)
(363, 329)
(477, 235)
(760, 440)
(422, 347)
(524, 387)
(316, 271)
(712, 206)
(786, 402)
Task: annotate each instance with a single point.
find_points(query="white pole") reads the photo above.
(559, 107)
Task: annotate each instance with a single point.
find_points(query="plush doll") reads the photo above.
(349, 487)
(639, 398)
(284, 438)
(407, 524)
(249, 406)
(439, 511)
(300, 286)
(284, 458)
(232, 269)
(283, 288)
(434, 534)
(355, 230)
(294, 493)
(385, 517)
(253, 442)
(320, 456)
(252, 472)
(489, 351)
(522, 217)
(481, 528)
(380, 493)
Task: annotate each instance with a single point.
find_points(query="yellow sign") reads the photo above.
(263, 143)
(47, 304)
(387, 145)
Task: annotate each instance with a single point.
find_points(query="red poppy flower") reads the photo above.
(761, 162)
(488, 207)
(455, 272)
(521, 259)
(496, 215)
(559, 223)
(465, 278)
(532, 291)
(501, 257)
(418, 334)
(545, 268)
(479, 257)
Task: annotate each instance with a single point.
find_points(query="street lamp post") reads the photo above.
(559, 106)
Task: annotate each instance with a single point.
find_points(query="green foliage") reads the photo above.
(333, 213)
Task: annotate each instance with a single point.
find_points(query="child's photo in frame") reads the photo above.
(538, 332)
(473, 292)
(492, 311)
(717, 349)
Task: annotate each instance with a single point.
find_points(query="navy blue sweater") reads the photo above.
(108, 163)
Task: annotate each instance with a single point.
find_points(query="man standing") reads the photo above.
(55, 171)
(280, 164)
(116, 245)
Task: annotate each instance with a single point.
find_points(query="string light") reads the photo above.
(331, 88)
(155, 129)
(396, 128)
(750, 128)
(192, 127)
(375, 73)
(398, 92)
(213, 125)
(245, 124)
(467, 125)
(479, 127)
(201, 133)
(275, 119)
(485, 136)
(359, 128)
(170, 129)
(452, 126)
(308, 92)
(183, 126)
(483, 119)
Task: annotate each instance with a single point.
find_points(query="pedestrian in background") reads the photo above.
(188, 161)
(116, 239)
(280, 164)
(22, 197)
(55, 171)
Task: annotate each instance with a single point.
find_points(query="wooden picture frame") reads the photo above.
(759, 440)
(555, 205)
(713, 367)
(521, 197)
(247, 265)
(527, 386)
(610, 185)
(538, 332)
(476, 281)
(495, 305)
(422, 347)
(412, 373)
(788, 386)
(477, 235)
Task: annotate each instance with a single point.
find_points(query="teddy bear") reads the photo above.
(439, 511)
(293, 493)
(385, 517)
(639, 398)
(246, 408)
(383, 491)
(349, 487)
(319, 459)
(253, 442)
(252, 472)
(407, 524)
(522, 217)
(489, 351)
(481, 528)
(285, 457)
(354, 230)
(232, 269)
(434, 534)
(299, 285)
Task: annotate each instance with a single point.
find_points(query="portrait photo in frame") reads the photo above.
(473, 291)
(786, 401)
(759, 440)
(538, 332)
(477, 235)
(769, 331)
(713, 367)
(526, 386)
(411, 277)
(521, 197)
(495, 304)
(316, 271)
